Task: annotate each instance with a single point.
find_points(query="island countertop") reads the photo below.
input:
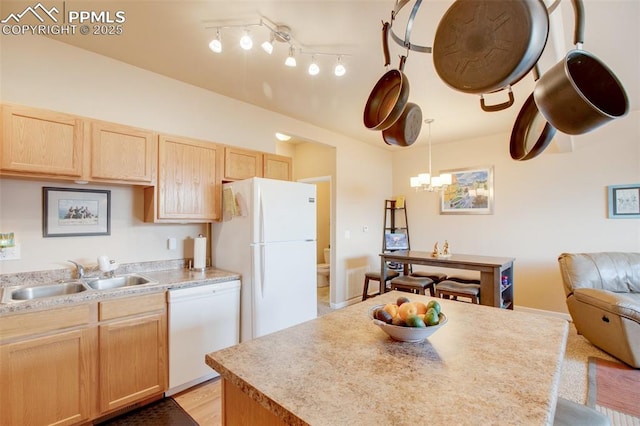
(485, 366)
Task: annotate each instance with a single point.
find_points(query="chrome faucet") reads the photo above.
(79, 267)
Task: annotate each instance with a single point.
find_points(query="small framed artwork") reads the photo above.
(624, 201)
(470, 191)
(69, 212)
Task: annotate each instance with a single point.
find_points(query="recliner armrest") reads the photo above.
(624, 304)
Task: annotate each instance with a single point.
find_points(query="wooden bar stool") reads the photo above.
(413, 284)
(375, 276)
(453, 289)
(436, 277)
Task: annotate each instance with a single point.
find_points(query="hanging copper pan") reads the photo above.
(406, 129)
(390, 94)
(580, 93)
(483, 46)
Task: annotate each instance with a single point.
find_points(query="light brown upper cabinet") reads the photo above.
(241, 163)
(277, 167)
(122, 154)
(188, 187)
(41, 143)
(38, 142)
(244, 164)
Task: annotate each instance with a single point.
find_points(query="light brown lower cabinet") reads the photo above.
(133, 350)
(68, 366)
(240, 409)
(48, 378)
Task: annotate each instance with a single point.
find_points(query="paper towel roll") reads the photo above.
(200, 252)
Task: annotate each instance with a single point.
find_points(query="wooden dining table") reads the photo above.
(492, 270)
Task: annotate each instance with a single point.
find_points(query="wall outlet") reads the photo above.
(10, 253)
(171, 243)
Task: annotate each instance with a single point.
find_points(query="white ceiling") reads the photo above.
(171, 38)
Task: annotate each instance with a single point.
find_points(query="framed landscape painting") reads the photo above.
(470, 191)
(68, 212)
(624, 201)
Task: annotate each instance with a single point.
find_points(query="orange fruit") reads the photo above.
(422, 308)
(406, 309)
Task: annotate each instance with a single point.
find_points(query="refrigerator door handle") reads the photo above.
(262, 271)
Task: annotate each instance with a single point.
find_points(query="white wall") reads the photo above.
(48, 74)
(555, 203)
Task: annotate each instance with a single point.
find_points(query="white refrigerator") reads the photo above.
(268, 235)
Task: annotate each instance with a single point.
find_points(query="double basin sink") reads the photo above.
(22, 293)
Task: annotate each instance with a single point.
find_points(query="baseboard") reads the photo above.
(543, 312)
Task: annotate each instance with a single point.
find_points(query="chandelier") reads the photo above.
(426, 181)
(281, 34)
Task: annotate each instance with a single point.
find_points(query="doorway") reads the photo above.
(323, 236)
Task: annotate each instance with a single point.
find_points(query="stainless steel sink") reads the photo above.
(38, 292)
(118, 281)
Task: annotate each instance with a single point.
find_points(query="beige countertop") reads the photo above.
(485, 366)
(167, 279)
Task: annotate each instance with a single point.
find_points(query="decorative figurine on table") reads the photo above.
(445, 250)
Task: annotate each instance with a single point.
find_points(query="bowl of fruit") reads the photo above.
(408, 321)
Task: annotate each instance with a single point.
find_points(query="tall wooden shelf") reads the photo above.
(395, 233)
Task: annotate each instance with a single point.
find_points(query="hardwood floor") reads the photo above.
(203, 402)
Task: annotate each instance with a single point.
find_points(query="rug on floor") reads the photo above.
(164, 412)
(614, 389)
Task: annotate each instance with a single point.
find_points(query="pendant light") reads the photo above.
(426, 181)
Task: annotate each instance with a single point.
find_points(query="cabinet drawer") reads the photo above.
(32, 323)
(118, 308)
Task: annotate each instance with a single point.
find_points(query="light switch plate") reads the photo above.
(10, 253)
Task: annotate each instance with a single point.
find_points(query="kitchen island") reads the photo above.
(485, 366)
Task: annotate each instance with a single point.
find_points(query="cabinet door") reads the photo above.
(41, 143)
(48, 380)
(241, 163)
(133, 360)
(122, 154)
(187, 185)
(277, 167)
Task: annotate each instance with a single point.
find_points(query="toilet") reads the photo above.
(323, 269)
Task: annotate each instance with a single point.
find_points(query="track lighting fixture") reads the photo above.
(291, 59)
(267, 46)
(245, 41)
(277, 33)
(314, 69)
(339, 70)
(216, 43)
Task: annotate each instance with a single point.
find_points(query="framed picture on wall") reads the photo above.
(69, 212)
(470, 191)
(624, 201)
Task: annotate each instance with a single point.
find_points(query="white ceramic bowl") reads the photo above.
(407, 334)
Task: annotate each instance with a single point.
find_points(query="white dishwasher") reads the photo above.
(202, 319)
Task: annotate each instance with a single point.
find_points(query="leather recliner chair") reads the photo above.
(603, 297)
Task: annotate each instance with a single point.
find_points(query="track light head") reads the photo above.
(314, 69)
(245, 42)
(216, 44)
(339, 70)
(291, 59)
